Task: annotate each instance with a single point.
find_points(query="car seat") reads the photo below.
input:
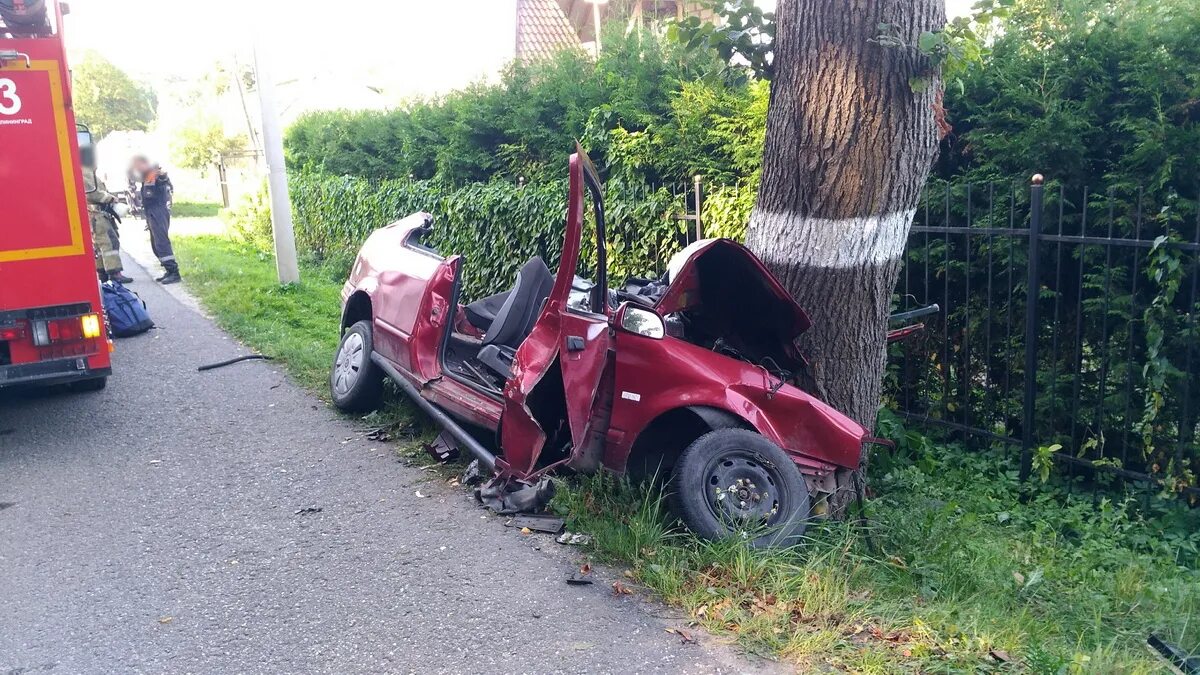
(515, 318)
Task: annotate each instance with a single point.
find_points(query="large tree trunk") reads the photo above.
(849, 146)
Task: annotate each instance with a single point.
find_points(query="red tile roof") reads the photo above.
(542, 29)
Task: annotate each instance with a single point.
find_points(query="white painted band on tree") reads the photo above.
(836, 243)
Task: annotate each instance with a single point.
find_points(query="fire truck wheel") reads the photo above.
(355, 382)
(94, 384)
(736, 483)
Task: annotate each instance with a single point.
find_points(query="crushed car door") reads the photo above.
(434, 317)
(571, 335)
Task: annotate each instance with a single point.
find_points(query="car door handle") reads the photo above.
(574, 343)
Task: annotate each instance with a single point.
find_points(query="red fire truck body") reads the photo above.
(52, 327)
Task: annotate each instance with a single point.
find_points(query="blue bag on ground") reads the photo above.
(126, 311)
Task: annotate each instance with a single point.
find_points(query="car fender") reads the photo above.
(818, 437)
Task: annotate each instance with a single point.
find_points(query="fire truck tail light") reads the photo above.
(11, 333)
(91, 325)
(73, 329)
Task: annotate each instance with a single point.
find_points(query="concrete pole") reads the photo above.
(596, 23)
(281, 205)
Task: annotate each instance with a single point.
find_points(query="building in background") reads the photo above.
(548, 26)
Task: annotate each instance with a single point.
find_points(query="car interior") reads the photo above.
(505, 319)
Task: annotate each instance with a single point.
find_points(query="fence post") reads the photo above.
(699, 209)
(1032, 290)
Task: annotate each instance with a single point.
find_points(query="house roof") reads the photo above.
(542, 29)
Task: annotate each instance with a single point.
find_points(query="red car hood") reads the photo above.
(684, 284)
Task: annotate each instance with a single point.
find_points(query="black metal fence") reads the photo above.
(1095, 371)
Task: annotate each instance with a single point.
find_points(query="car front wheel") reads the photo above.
(736, 483)
(355, 382)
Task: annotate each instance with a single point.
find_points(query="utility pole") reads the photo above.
(277, 186)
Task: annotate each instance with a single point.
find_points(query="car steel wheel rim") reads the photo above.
(349, 364)
(743, 490)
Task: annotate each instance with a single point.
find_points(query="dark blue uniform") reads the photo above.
(156, 200)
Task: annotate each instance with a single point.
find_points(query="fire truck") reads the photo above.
(52, 325)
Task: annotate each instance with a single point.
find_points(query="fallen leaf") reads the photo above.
(585, 569)
(165, 619)
(629, 574)
(526, 530)
(1020, 578)
(621, 589)
(1000, 655)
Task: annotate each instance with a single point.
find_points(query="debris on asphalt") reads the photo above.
(537, 523)
(509, 496)
(308, 509)
(621, 589)
(683, 637)
(574, 539)
(581, 577)
(5, 505)
(422, 496)
(166, 619)
(230, 362)
(526, 530)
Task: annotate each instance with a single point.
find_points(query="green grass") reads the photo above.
(958, 569)
(195, 209)
(296, 324)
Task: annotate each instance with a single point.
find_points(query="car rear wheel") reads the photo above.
(355, 382)
(736, 483)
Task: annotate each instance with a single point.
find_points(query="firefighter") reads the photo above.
(104, 218)
(156, 192)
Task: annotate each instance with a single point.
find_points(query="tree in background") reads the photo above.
(107, 99)
(852, 131)
(203, 144)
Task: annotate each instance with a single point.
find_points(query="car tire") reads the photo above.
(736, 483)
(94, 384)
(355, 382)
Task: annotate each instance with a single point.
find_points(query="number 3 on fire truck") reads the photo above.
(10, 103)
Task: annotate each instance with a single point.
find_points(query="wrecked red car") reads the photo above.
(691, 376)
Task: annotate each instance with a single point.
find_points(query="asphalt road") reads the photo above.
(154, 527)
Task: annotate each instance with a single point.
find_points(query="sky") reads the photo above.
(405, 47)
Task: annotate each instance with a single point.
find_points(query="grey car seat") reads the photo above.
(514, 321)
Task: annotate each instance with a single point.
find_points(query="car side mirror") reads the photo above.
(641, 321)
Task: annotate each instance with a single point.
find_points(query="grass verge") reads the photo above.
(195, 209)
(959, 573)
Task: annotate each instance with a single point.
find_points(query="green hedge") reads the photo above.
(498, 225)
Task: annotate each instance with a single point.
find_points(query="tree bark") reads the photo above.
(848, 150)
